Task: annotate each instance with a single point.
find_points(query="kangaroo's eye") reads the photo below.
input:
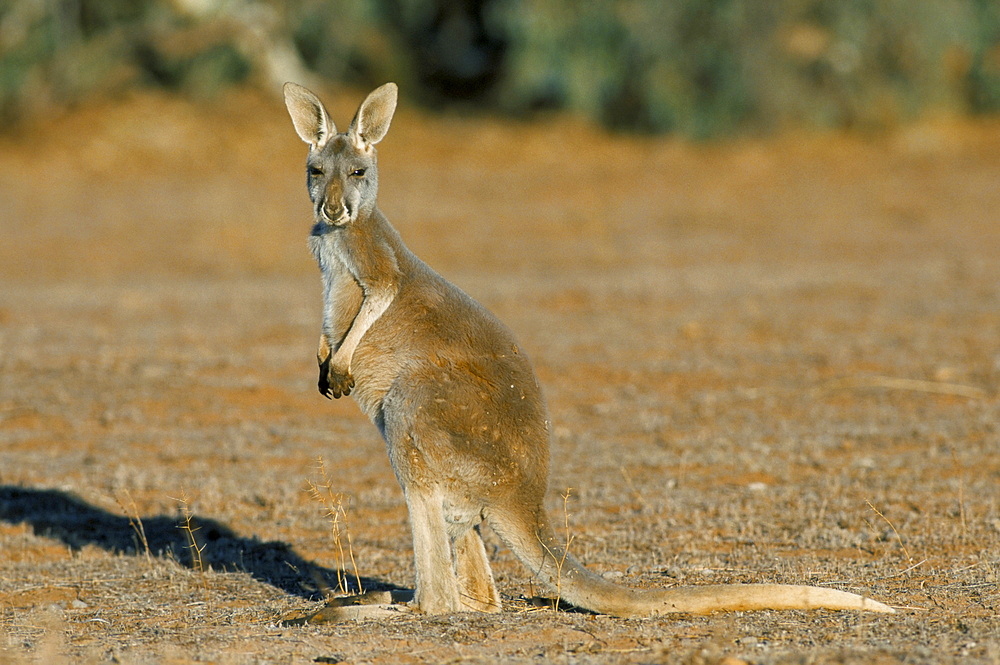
(358, 173)
(315, 171)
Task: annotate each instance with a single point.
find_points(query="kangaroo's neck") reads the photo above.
(369, 248)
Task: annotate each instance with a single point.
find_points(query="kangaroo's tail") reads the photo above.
(533, 540)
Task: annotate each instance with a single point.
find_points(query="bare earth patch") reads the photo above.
(768, 361)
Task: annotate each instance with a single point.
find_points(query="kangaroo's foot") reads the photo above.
(370, 605)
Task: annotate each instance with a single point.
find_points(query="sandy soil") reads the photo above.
(765, 361)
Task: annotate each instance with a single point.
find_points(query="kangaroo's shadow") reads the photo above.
(63, 516)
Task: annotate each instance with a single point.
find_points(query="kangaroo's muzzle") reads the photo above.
(334, 212)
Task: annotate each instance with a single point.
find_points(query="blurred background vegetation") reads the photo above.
(699, 68)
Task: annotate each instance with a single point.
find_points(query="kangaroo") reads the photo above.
(456, 400)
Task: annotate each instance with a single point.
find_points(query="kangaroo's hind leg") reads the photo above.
(477, 591)
(437, 584)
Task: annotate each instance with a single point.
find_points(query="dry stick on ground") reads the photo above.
(906, 552)
(569, 541)
(961, 496)
(337, 514)
(132, 513)
(196, 560)
(916, 385)
(636, 494)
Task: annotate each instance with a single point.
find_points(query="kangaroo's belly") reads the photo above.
(454, 397)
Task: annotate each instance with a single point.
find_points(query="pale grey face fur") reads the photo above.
(342, 170)
(341, 180)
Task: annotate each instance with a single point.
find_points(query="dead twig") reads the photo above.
(197, 562)
(568, 540)
(899, 538)
(897, 383)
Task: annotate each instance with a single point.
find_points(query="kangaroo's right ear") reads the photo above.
(312, 122)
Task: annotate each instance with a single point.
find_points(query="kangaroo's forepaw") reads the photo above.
(334, 384)
(324, 375)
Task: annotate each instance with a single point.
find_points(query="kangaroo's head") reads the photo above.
(342, 168)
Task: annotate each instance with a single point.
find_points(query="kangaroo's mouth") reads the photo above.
(337, 217)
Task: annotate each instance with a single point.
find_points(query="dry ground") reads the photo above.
(766, 361)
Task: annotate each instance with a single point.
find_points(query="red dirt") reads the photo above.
(768, 360)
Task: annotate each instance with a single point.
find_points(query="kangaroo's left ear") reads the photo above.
(372, 120)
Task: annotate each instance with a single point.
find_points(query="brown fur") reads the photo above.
(457, 402)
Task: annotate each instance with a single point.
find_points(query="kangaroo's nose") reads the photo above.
(333, 211)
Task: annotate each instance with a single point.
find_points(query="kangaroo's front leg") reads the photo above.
(335, 371)
(342, 298)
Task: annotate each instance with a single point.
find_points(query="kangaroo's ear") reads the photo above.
(372, 120)
(312, 122)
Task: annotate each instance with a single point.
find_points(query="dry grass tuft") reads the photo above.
(127, 504)
(322, 491)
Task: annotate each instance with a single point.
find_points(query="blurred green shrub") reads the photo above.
(696, 67)
(704, 68)
(57, 52)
